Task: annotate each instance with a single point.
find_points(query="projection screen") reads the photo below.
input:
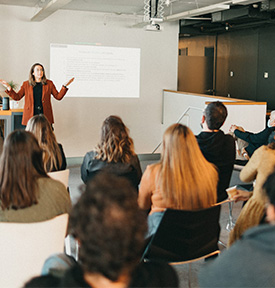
(99, 71)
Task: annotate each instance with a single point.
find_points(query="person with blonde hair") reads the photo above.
(53, 155)
(258, 168)
(183, 179)
(114, 153)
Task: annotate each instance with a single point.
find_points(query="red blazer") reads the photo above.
(27, 91)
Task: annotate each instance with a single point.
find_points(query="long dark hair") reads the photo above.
(21, 165)
(31, 77)
(116, 145)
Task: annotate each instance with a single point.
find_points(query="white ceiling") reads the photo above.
(131, 7)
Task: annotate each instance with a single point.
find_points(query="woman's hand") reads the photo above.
(69, 82)
(5, 84)
(241, 195)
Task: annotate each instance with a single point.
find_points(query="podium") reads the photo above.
(12, 120)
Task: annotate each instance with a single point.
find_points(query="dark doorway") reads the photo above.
(209, 54)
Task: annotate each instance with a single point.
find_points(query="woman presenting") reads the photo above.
(37, 91)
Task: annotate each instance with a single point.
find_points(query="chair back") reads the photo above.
(24, 247)
(185, 235)
(62, 176)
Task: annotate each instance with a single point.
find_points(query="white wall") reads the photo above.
(78, 120)
(248, 114)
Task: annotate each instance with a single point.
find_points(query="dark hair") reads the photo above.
(21, 165)
(109, 225)
(269, 187)
(215, 114)
(271, 140)
(31, 77)
(115, 145)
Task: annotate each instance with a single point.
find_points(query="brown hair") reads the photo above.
(42, 129)
(20, 166)
(109, 225)
(186, 179)
(116, 145)
(31, 77)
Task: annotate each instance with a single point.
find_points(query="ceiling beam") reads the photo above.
(49, 9)
(197, 12)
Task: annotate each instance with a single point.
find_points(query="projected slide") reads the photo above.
(99, 71)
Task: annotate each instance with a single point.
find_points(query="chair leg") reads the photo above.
(221, 243)
(189, 274)
(68, 250)
(230, 224)
(76, 250)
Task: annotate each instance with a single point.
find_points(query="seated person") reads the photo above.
(250, 261)
(53, 154)
(217, 147)
(259, 167)
(110, 228)
(254, 140)
(27, 194)
(114, 154)
(183, 179)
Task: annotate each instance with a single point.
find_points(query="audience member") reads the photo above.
(53, 154)
(259, 167)
(254, 140)
(183, 179)
(217, 147)
(27, 194)
(250, 261)
(110, 228)
(114, 154)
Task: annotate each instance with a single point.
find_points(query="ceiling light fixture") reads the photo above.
(244, 2)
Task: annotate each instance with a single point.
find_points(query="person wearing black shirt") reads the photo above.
(37, 91)
(217, 147)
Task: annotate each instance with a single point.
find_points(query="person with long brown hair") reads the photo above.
(37, 91)
(183, 179)
(27, 194)
(53, 155)
(114, 154)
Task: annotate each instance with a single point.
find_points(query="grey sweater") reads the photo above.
(250, 262)
(53, 200)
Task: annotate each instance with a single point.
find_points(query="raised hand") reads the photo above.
(69, 82)
(5, 84)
